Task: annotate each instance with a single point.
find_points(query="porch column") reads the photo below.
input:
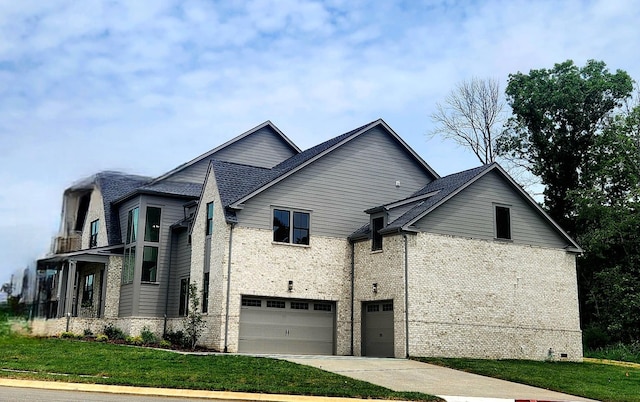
(71, 284)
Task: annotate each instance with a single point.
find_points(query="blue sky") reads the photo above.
(143, 86)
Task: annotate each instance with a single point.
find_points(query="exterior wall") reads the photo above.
(130, 325)
(113, 277)
(340, 186)
(471, 214)
(96, 211)
(386, 268)
(490, 299)
(218, 261)
(86, 269)
(320, 271)
(180, 268)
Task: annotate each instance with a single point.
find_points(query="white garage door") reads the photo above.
(286, 326)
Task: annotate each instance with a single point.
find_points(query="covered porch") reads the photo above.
(77, 284)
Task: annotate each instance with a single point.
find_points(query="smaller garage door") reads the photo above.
(286, 326)
(377, 329)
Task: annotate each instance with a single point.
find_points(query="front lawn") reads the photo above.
(101, 363)
(603, 382)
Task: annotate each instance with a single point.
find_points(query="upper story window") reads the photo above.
(205, 293)
(132, 226)
(503, 222)
(291, 226)
(93, 239)
(149, 264)
(376, 238)
(152, 224)
(209, 228)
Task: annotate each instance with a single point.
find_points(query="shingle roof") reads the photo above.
(174, 188)
(441, 188)
(113, 186)
(236, 181)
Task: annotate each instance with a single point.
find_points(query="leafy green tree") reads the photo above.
(558, 114)
(194, 322)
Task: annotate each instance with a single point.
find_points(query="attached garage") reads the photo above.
(377, 329)
(287, 326)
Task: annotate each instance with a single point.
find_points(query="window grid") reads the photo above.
(373, 308)
(387, 307)
(291, 226)
(322, 307)
(275, 303)
(251, 302)
(299, 306)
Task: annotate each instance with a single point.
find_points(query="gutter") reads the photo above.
(352, 291)
(226, 318)
(406, 294)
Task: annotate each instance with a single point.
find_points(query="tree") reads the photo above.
(557, 117)
(472, 116)
(194, 322)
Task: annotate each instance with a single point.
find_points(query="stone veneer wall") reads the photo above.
(320, 271)
(475, 298)
(386, 268)
(130, 325)
(113, 277)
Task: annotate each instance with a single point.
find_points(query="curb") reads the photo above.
(169, 392)
(479, 399)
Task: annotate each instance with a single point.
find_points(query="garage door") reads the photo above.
(377, 328)
(286, 326)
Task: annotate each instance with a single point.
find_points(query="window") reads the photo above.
(372, 308)
(132, 226)
(376, 238)
(87, 291)
(209, 228)
(93, 240)
(503, 222)
(287, 231)
(299, 306)
(184, 297)
(149, 264)
(387, 307)
(275, 304)
(152, 224)
(205, 293)
(322, 307)
(251, 302)
(129, 264)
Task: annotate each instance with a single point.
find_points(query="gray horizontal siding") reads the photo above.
(180, 268)
(126, 291)
(151, 302)
(340, 186)
(264, 148)
(471, 214)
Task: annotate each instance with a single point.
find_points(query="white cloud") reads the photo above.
(146, 85)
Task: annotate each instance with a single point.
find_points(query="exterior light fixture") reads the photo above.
(290, 287)
(375, 287)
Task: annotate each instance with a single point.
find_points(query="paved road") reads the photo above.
(15, 394)
(409, 375)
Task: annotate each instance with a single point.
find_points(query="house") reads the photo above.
(353, 247)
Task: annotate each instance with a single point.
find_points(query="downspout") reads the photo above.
(166, 296)
(406, 295)
(226, 318)
(352, 291)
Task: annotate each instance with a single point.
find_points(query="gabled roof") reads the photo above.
(112, 186)
(440, 191)
(165, 188)
(210, 153)
(269, 177)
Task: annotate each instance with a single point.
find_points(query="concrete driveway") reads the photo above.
(409, 375)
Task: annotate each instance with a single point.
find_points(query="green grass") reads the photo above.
(46, 359)
(589, 380)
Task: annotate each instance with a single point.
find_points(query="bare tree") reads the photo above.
(472, 116)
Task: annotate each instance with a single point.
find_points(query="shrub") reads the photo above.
(102, 338)
(88, 332)
(114, 333)
(177, 338)
(68, 335)
(194, 323)
(148, 337)
(134, 340)
(165, 344)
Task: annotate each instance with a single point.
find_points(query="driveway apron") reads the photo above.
(409, 375)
